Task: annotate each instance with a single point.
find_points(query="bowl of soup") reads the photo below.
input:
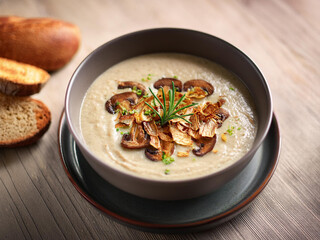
(167, 113)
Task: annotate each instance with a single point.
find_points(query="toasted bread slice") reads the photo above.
(23, 120)
(19, 79)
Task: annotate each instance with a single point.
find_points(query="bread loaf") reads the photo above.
(19, 79)
(23, 120)
(43, 42)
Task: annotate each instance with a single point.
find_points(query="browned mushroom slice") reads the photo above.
(220, 116)
(199, 83)
(115, 100)
(179, 137)
(194, 134)
(150, 128)
(137, 138)
(155, 142)
(132, 84)
(168, 82)
(194, 119)
(126, 119)
(208, 128)
(164, 133)
(153, 153)
(205, 145)
(167, 148)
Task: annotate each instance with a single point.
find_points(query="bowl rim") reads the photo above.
(80, 141)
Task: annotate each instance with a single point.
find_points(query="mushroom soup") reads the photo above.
(168, 116)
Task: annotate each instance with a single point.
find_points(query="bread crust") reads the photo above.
(43, 42)
(19, 79)
(43, 120)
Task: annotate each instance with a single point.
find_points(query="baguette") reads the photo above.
(43, 42)
(19, 79)
(23, 120)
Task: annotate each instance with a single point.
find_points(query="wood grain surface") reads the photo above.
(37, 200)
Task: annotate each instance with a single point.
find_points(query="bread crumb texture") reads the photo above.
(22, 119)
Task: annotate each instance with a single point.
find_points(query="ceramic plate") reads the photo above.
(190, 215)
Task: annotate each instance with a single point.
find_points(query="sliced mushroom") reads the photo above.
(199, 83)
(150, 128)
(167, 147)
(194, 119)
(137, 138)
(168, 82)
(208, 128)
(205, 145)
(165, 134)
(155, 142)
(194, 134)
(111, 104)
(153, 153)
(126, 119)
(179, 137)
(197, 92)
(132, 84)
(220, 116)
(208, 108)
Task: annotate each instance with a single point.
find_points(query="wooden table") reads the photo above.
(37, 200)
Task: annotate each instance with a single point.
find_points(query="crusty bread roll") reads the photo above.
(42, 42)
(23, 120)
(19, 79)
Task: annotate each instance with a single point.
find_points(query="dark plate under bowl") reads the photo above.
(191, 215)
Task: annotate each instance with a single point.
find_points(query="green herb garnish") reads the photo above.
(136, 90)
(167, 160)
(231, 88)
(146, 95)
(167, 171)
(117, 129)
(230, 130)
(117, 103)
(239, 128)
(171, 112)
(176, 77)
(147, 112)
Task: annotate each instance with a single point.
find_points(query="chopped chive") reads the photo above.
(167, 160)
(230, 130)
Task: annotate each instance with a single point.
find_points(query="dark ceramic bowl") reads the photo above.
(167, 40)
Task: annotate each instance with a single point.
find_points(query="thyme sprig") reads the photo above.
(172, 110)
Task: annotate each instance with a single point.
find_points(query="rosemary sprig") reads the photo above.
(171, 112)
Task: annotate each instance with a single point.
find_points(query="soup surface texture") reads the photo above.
(233, 139)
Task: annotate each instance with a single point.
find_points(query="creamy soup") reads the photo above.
(233, 139)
